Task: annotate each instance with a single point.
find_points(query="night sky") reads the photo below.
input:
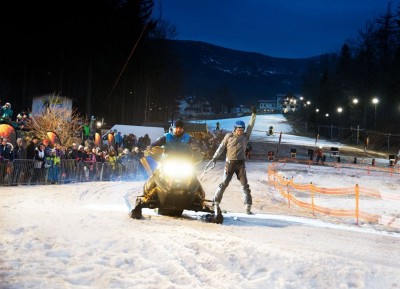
(278, 28)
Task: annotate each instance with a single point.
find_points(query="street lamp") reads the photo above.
(375, 101)
(355, 102)
(329, 125)
(317, 111)
(339, 110)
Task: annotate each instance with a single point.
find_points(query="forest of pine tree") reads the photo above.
(363, 69)
(104, 54)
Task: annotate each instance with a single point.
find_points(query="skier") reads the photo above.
(270, 131)
(217, 128)
(320, 155)
(235, 145)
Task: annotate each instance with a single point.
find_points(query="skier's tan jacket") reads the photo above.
(234, 144)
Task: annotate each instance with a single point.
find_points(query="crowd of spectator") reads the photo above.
(6, 116)
(48, 156)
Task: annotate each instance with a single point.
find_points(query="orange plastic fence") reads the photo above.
(287, 188)
(368, 168)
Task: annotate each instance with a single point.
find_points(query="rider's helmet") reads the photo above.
(239, 124)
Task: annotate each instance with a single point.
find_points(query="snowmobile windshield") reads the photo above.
(177, 149)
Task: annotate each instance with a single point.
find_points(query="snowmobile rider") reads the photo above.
(235, 144)
(176, 141)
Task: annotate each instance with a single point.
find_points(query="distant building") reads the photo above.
(241, 109)
(189, 106)
(267, 105)
(281, 103)
(289, 102)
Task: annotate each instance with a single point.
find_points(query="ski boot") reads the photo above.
(217, 217)
(248, 209)
(136, 213)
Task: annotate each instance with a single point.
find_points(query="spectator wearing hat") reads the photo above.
(126, 156)
(146, 141)
(88, 159)
(38, 172)
(118, 140)
(6, 149)
(80, 154)
(99, 156)
(47, 147)
(113, 161)
(60, 150)
(73, 152)
(137, 154)
(19, 151)
(6, 112)
(31, 147)
(52, 164)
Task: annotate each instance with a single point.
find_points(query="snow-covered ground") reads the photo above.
(80, 235)
(279, 124)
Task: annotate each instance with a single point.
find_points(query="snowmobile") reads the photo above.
(173, 186)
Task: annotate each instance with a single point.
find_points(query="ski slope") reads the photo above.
(80, 236)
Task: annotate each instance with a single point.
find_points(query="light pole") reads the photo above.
(355, 102)
(330, 124)
(339, 110)
(317, 111)
(375, 101)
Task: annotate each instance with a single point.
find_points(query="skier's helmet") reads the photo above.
(239, 124)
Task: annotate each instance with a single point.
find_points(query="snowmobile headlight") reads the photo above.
(176, 168)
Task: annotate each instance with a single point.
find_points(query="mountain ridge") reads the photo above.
(210, 70)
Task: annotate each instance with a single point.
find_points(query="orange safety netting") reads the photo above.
(287, 188)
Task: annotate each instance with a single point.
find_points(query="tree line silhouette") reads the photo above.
(104, 54)
(365, 68)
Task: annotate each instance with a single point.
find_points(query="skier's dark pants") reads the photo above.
(238, 168)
